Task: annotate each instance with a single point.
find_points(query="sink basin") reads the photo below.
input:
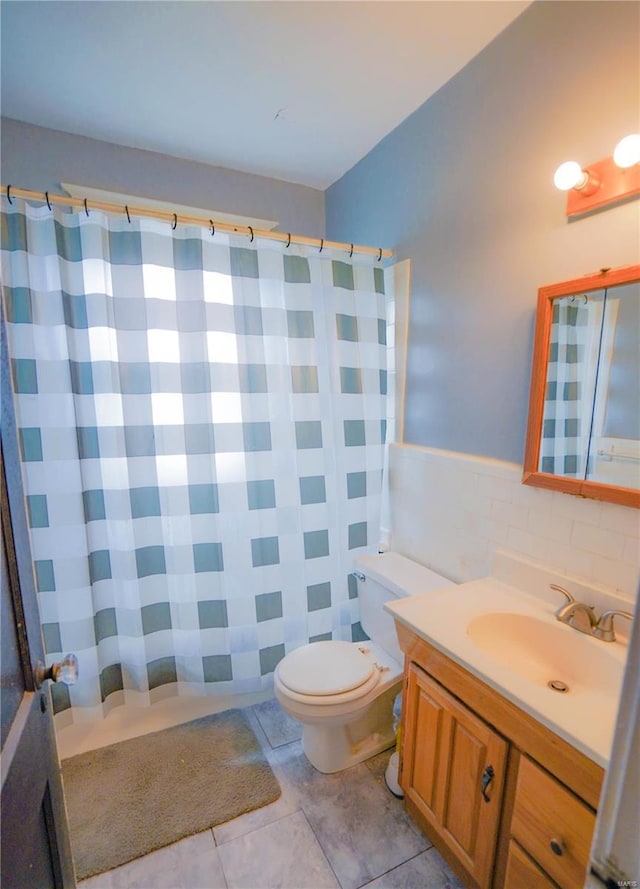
(546, 652)
(511, 641)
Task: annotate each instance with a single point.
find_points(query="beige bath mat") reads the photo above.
(136, 796)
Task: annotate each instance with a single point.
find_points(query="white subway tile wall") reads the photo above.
(452, 511)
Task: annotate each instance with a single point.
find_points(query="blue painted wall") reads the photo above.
(38, 158)
(464, 188)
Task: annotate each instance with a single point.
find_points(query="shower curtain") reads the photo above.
(566, 416)
(202, 420)
(580, 351)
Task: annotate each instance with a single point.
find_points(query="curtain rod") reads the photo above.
(170, 216)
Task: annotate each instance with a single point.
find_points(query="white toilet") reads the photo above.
(343, 692)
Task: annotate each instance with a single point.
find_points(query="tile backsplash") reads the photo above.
(453, 511)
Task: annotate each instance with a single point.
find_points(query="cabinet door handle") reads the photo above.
(557, 846)
(487, 778)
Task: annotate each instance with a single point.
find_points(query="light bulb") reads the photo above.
(570, 175)
(627, 151)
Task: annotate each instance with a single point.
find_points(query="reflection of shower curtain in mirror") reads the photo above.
(565, 425)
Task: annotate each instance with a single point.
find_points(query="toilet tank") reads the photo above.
(384, 577)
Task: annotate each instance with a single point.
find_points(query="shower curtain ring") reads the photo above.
(46, 194)
(213, 228)
(251, 230)
(86, 209)
(9, 194)
(126, 209)
(321, 245)
(288, 240)
(175, 222)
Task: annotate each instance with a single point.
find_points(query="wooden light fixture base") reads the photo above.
(607, 184)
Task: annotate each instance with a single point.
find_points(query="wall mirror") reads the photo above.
(583, 435)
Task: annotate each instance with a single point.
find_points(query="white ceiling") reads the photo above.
(297, 90)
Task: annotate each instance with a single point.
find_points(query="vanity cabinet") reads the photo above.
(453, 771)
(525, 822)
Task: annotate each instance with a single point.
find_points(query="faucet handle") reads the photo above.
(604, 628)
(561, 589)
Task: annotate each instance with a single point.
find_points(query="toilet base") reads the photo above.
(331, 748)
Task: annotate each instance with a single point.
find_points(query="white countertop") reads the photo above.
(585, 717)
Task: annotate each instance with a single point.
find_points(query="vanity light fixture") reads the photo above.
(604, 182)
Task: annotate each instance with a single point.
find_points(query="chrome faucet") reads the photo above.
(604, 629)
(576, 614)
(583, 617)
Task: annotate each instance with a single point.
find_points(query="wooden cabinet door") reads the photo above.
(448, 754)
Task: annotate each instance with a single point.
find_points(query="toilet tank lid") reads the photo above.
(400, 575)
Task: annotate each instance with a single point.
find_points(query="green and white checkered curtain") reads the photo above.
(566, 418)
(202, 424)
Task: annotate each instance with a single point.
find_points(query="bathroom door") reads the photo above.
(35, 850)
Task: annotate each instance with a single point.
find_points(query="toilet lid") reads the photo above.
(325, 668)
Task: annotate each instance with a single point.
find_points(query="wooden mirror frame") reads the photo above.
(531, 474)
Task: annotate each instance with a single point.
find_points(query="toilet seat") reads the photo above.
(328, 672)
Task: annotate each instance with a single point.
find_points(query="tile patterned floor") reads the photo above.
(342, 831)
